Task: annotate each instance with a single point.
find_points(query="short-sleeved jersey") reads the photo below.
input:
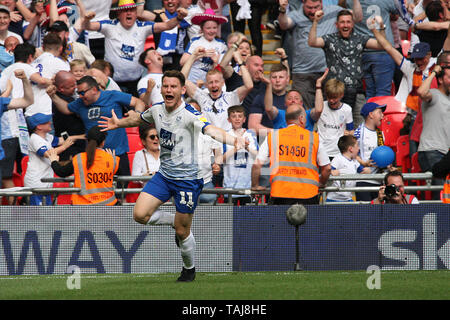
(202, 66)
(48, 66)
(156, 96)
(226, 100)
(368, 141)
(90, 115)
(332, 125)
(178, 137)
(345, 166)
(124, 46)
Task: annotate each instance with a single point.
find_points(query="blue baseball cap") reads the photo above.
(37, 119)
(370, 106)
(420, 50)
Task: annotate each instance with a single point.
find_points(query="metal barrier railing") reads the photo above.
(122, 191)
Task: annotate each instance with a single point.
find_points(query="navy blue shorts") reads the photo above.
(184, 192)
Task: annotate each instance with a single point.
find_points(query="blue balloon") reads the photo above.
(382, 156)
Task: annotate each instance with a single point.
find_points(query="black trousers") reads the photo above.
(97, 47)
(291, 201)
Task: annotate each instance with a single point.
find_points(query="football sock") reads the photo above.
(187, 247)
(162, 218)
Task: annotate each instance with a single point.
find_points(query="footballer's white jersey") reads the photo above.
(345, 166)
(156, 96)
(178, 133)
(124, 46)
(202, 66)
(48, 66)
(331, 126)
(226, 100)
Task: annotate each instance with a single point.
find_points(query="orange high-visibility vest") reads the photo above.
(96, 183)
(446, 193)
(294, 172)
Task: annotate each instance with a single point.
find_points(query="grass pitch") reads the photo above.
(303, 285)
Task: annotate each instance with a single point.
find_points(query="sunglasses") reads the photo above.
(153, 136)
(83, 92)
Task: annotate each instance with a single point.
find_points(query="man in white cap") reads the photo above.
(125, 40)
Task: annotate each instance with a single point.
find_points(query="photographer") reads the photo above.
(393, 190)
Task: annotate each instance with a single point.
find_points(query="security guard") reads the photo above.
(93, 171)
(298, 166)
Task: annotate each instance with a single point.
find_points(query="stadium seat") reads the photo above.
(405, 47)
(132, 197)
(132, 130)
(63, 198)
(415, 168)
(402, 155)
(391, 125)
(149, 43)
(392, 105)
(134, 142)
(24, 165)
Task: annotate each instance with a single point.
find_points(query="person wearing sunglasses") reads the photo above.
(146, 161)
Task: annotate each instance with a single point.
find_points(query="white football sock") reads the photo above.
(162, 218)
(187, 247)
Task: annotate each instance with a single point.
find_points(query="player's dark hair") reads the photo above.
(52, 42)
(23, 51)
(174, 74)
(143, 56)
(90, 81)
(433, 10)
(346, 142)
(236, 108)
(394, 173)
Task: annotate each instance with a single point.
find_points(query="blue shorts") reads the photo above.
(184, 192)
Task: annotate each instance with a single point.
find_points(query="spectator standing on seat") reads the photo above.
(298, 164)
(93, 171)
(308, 63)
(435, 137)
(336, 119)
(369, 137)
(393, 190)
(125, 39)
(146, 161)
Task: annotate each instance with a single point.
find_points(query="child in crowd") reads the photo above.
(345, 163)
(238, 163)
(336, 119)
(78, 68)
(39, 165)
(210, 26)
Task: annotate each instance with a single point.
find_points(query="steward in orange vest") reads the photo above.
(442, 170)
(295, 162)
(93, 172)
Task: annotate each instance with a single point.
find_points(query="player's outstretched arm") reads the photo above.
(222, 136)
(133, 120)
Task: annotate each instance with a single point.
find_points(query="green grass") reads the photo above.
(305, 285)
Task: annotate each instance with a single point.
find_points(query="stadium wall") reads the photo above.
(47, 240)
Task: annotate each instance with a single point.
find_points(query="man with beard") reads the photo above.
(178, 125)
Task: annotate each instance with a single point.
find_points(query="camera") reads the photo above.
(391, 191)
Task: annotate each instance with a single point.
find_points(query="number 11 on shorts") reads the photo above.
(186, 196)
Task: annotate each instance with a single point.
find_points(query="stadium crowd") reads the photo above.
(325, 101)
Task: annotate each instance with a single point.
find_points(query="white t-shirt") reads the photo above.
(206, 145)
(331, 126)
(368, 141)
(407, 67)
(139, 165)
(112, 85)
(48, 66)
(345, 166)
(39, 166)
(124, 46)
(156, 96)
(226, 100)
(237, 169)
(202, 66)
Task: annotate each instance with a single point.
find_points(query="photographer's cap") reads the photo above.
(420, 50)
(370, 106)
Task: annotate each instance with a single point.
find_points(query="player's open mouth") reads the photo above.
(169, 97)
